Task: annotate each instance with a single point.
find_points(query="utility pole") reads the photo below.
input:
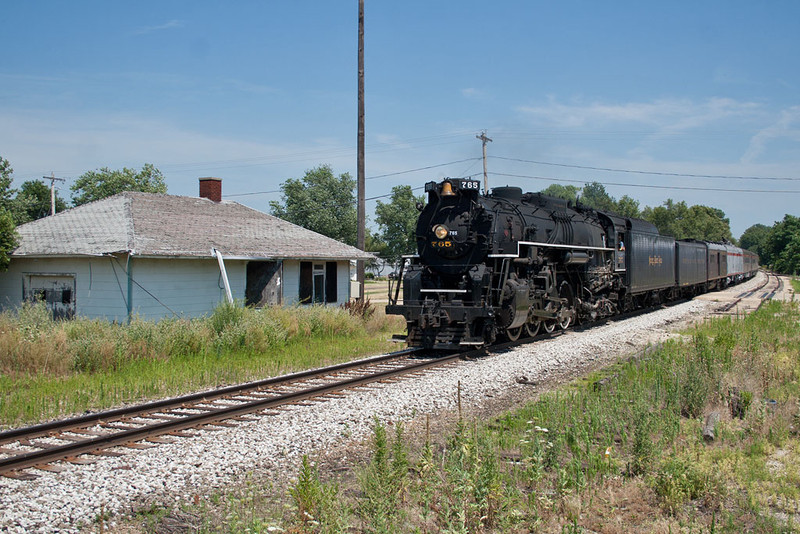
(53, 180)
(484, 140)
(360, 164)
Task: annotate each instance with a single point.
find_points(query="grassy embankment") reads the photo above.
(618, 451)
(52, 368)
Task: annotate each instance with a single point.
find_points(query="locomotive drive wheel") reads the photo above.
(513, 333)
(565, 292)
(549, 325)
(532, 328)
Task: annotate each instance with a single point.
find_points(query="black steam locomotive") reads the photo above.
(507, 264)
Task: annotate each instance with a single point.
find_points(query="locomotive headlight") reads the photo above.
(441, 231)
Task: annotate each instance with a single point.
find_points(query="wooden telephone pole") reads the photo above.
(484, 140)
(53, 180)
(360, 164)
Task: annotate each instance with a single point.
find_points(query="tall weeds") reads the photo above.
(43, 363)
(543, 467)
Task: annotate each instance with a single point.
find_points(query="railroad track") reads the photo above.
(144, 426)
(762, 293)
(770, 294)
(76, 440)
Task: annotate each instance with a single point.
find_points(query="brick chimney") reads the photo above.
(211, 188)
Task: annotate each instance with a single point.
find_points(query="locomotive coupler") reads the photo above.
(432, 315)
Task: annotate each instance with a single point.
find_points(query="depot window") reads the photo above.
(318, 282)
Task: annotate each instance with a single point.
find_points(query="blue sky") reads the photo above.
(258, 92)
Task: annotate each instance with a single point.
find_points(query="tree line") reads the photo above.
(32, 200)
(778, 246)
(325, 203)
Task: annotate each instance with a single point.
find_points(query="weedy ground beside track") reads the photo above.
(50, 369)
(621, 450)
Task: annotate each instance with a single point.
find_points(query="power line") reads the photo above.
(648, 186)
(423, 168)
(370, 177)
(645, 172)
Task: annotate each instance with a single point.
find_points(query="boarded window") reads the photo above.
(57, 291)
(330, 282)
(306, 282)
(263, 283)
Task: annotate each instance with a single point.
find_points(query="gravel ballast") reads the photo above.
(213, 460)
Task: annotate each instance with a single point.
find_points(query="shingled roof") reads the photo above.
(148, 224)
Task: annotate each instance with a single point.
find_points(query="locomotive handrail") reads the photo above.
(520, 244)
(554, 245)
(399, 280)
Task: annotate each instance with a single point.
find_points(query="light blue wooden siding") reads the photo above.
(185, 287)
(188, 287)
(291, 282)
(343, 281)
(100, 283)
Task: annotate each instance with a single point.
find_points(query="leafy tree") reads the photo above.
(567, 192)
(684, 222)
(103, 183)
(373, 243)
(320, 202)
(8, 238)
(397, 220)
(5, 183)
(594, 196)
(782, 246)
(709, 224)
(33, 202)
(754, 238)
(8, 234)
(667, 217)
(627, 207)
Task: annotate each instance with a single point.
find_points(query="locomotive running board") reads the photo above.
(551, 245)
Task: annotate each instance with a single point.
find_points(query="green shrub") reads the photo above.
(384, 482)
(679, 481)
(34, 320)
(226, 315)
(315, 505)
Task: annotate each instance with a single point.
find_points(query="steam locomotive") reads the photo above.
(510, 263)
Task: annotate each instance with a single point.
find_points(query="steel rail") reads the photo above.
(47, 429)
(769, 296)
(212, 415)
(728, 307)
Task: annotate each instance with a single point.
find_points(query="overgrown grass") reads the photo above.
(618, 451)
(50, 368)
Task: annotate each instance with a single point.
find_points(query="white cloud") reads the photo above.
(671, 114)
(472, 93)
(161, 27)
(784, 127)
(37, 143)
